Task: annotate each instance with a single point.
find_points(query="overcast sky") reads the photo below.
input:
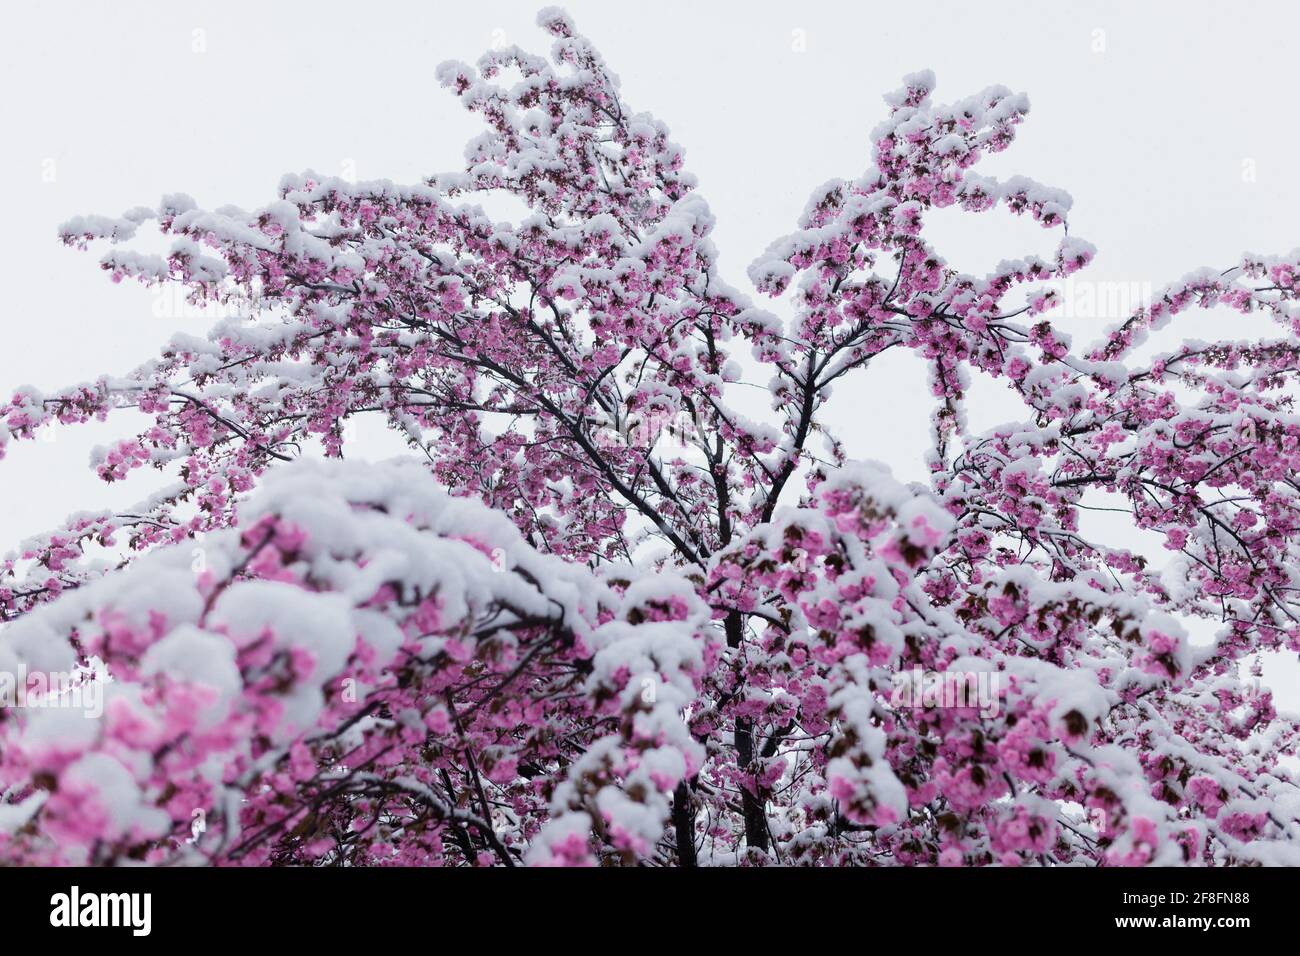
(1168, 122)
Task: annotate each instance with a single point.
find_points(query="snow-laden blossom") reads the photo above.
(603, 616)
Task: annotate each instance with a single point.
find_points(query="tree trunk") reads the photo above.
(750, 804)
(684, 824)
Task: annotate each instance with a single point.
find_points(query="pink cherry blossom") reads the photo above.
(600, 616)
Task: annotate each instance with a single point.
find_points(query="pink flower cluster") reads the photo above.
(636, 625)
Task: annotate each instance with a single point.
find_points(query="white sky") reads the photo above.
(1167, 122)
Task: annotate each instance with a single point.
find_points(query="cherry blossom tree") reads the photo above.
(601, 617)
